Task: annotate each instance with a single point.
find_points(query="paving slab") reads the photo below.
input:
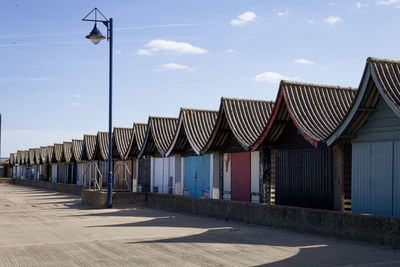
(45, 228)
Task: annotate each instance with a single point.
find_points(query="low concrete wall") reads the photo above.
(368, 228)
(95, 199)
(66, 188)
(6, 181)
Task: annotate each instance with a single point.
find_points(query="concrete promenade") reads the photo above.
(45, 228)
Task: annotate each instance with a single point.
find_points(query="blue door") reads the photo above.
(197, 175)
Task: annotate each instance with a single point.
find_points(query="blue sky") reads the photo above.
(172, 54)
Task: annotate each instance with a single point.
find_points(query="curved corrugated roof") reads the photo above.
(18, 159)
(58, 152)
(38, 157)
(31, 156)
(194, 127)
(12, 159)
(241, 119)
(26, 156)
(159, 136)
(89, 147)
(43, 154)
(77, 147)
(102, 145)
(316, 110)
(123, 139)
(140, 131)
(381, 78)
(67, 150)
(50, 154)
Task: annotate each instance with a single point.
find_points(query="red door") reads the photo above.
(240, 178)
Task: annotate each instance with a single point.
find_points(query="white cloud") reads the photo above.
(303, 61)
(282, 13)
(230, 50)
(174, 47)
(118, 52)
(388, 2)
(173, 66)
(332, 20)
(244, 18)
(272, 77)
(144, 52)
(77, 96)
(331, 4)
(75, 104)
(310, 21)
(360, 5)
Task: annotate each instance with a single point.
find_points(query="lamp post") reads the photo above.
(96, 36)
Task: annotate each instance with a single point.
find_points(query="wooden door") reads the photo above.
(240, 177)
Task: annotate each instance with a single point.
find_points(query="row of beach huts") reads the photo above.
(315, 146)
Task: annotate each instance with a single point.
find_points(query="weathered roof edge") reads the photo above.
(281, 99)
(367, 74)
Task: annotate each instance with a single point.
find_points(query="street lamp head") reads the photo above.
(95, 35)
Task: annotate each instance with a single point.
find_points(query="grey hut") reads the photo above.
(372, 127)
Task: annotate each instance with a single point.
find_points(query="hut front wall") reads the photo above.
(125, 174)
(303, 172)
(375, 164)
(63, 173)
(163, 175)
(197, 176)
(54, 172)
(144, 174)
(241, 176)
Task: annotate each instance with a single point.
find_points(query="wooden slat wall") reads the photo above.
(273, 176)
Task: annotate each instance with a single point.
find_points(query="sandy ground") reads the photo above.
(46, 228)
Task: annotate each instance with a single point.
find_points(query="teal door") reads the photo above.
(373, 184)
(197, 175)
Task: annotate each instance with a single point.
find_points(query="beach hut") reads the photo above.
(51, 159)
(240, 123)
(159, 136)
(372, 127)
(62, 168)
(13, 165)
(19, 174)
(125, 152)
(31, 166)
(143, 164)
(38, 164)
(69, 165)
(298, 166)
(46, 167)
(79, 165)
(199, 173)
(102, 156)
(92, 176)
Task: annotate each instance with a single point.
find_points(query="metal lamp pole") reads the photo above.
(96, 36)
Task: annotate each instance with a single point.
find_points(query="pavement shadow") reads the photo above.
(313, 250)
